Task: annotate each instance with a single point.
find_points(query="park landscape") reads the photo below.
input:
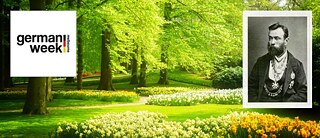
(167, 68)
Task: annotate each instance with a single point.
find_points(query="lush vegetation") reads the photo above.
(228, 78)
(194, 44)
(107, 96)
(200, 97)
(148, 124)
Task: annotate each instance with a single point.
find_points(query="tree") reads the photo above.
(106, 71)
(39, 88)
(2, 57)
(79, 50)
(143, 71)
(134, 67)
(164, 47)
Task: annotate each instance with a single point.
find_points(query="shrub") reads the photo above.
(201, 97)
(116, 96)
(146, 91)
(228, 78)
(148, 124)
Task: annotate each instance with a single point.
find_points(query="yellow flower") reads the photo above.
(243, 125)
(273, 136)
(264, 136)
(272, 128)
(303, 133)
(313, 130)
(254, 126)
(233, 128)
(290, 128)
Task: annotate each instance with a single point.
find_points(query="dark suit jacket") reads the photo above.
(294, 87)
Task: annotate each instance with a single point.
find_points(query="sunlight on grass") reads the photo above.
(14, 124)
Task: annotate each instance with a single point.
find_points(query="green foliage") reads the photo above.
(228, 78)
(203, 34)
(198, 97)
(146, 91)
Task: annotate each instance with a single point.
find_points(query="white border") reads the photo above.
(247, 14)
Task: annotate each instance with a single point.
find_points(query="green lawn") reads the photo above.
(15, 124)
(18, 104)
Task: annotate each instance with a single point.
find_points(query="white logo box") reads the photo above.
(43, 43)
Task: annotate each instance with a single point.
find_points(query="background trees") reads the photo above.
(139, 37)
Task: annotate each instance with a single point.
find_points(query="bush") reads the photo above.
(146, 91)
(201, 97)
(228, 78)
(109, 96)
(148, 124)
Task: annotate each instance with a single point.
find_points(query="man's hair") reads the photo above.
(278, 25)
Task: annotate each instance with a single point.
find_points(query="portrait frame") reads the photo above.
(255, 40)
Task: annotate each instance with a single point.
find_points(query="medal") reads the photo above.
(275, 85)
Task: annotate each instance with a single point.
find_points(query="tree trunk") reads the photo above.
(2, 79)
(7, 80)
(79, 52)
(143, 69)
(36, 96)
(37, 86)
(164, 71)
(106, 72)
(164, 49)
(134, 68)
(49, 96)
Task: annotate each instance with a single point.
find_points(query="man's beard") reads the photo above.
(273, 51)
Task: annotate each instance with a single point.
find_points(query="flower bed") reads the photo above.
(148, 124)
(146, 91)
(116, 96)
(191, 98)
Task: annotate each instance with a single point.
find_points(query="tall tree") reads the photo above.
(79, 50)
(164, 47)
(134, 67)
(106, 70)
(36, 100)
(143, 71)
(2, 79)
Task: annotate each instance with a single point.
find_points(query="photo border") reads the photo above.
(246, 15)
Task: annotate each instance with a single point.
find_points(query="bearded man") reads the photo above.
(277, 76)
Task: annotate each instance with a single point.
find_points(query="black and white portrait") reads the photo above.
(277, 47)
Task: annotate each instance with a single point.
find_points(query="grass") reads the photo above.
(186, 77)
(15, 124)
(18, 104)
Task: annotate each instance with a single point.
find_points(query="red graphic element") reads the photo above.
(64, 43)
